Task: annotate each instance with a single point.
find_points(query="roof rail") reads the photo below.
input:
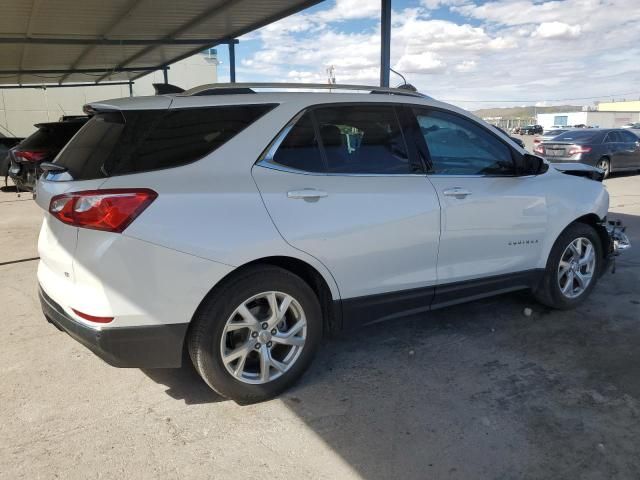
(236, 88)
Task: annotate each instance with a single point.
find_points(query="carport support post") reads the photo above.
(232, 60)
(385, 42)
(131, 89)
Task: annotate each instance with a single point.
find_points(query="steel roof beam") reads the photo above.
(130, 7)
(79, 70)
(217, 9)
(57, 85)
(35, 5)
(239, 33)
(105, 41)
(385, 42)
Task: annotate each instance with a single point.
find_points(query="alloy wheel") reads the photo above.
(263, 337)
(577, 267)
(603, 164)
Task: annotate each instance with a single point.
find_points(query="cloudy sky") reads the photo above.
(469, 52)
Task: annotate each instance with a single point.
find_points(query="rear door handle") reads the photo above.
(457, 192)
(307, 194)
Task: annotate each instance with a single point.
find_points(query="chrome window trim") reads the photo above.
(282, 168)
(266, 159)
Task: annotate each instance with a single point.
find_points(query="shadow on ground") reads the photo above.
(481, 390)
(184, 384)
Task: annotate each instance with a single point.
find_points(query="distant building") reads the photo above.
(621, 106)
(592, 118)
(20, 109)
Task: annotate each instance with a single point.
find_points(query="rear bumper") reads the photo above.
(149, 346)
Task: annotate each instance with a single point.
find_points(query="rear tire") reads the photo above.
(569, 276)
(231, 323)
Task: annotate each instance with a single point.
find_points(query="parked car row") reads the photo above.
(610, 149)
(528, 130)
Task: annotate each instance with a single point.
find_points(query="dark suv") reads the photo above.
(531, 130)
(612, 150)
(41, 146)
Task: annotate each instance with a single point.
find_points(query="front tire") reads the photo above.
(573, 268)
(255, 336)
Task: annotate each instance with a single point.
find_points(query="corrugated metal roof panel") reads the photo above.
(212, 21)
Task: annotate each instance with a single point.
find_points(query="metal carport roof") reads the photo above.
(79, 41)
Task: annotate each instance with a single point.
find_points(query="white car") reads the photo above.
(240, 226)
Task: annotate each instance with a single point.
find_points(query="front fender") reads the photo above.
(571, 199)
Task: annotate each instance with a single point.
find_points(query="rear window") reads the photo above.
(132, 141)
(578, 135)
(51, 137)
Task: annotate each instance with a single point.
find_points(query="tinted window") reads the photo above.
(628, 136)
(613, 137)
(553, 133)
(363, 139)
(584, 136)
(117, 143)
(299, 149)
(458, 146)
(51, 136)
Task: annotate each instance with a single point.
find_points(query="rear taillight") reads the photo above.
(539, 149)
(30, 155)
(574, 150)
(108, 210)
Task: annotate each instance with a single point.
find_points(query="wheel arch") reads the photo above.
(598, 225)
(329, 298)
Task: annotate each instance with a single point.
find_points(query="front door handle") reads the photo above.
(307, 194)
(457, 192)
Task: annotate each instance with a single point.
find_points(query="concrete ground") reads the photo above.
(477, 391)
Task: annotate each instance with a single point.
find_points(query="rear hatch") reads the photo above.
(82, 158)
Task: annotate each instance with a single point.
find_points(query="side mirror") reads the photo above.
(518, 141)
(532, 165)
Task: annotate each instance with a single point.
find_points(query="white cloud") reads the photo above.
(509, 49)
(433, 4)
(349, 10)
(466, 66)
(425, 62)
(557, 30)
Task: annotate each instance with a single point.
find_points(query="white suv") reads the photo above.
(241, 226)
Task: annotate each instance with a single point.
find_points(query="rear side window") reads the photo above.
(300, 149)
(350, 139)
(131, 141)
(628, 136)
(363, 139)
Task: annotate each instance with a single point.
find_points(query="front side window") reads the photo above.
(458, 146)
